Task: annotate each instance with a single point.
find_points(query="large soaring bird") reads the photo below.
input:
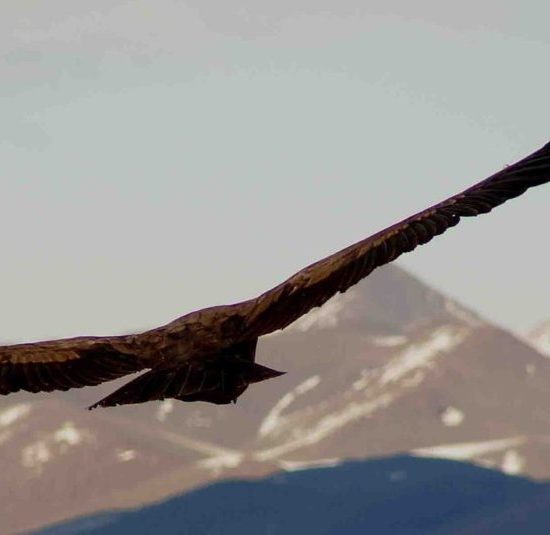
(208, 355)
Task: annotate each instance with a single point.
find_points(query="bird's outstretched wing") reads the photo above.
(64, 364)
(315, 284)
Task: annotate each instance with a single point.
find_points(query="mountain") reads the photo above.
(539, 338)
(396, 495)
(391, 366)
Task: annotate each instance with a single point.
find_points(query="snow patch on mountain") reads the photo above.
(125, 455)
(482, 453)
(364, 380)
(422, 355)
(325, 426)
(452, 417)
(295, 466)
(164, 409)
(10, 416)
(273, 417)
(328, 316)
(223, 461)
(464, 451)
(13, 413)
(389, 341)
(68, 435)
(381, 387)
(37, 454)
(512, 463)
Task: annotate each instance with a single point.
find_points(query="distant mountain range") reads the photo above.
(395, 495)
(390, 367)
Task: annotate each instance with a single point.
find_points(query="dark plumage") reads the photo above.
(208, 355)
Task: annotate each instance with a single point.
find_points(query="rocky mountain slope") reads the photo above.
(391, 366)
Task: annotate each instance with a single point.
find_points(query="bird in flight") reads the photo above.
(209, 354)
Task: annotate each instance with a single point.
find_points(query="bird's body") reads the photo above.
(208, 355)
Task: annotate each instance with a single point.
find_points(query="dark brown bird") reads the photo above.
(208, 355)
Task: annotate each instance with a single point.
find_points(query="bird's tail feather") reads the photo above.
(215, 382)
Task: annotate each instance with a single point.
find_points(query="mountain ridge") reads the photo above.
(391, 366)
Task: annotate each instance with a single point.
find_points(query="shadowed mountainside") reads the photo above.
(392, 495)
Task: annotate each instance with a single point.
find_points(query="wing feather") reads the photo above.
(68, 363)
(315, 284)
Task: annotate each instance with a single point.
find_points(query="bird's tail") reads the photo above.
(219, 382)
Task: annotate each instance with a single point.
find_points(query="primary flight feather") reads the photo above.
(208, 355)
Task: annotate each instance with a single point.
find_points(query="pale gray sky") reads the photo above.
(162, 155)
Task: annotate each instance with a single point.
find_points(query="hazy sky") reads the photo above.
(158, 156)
